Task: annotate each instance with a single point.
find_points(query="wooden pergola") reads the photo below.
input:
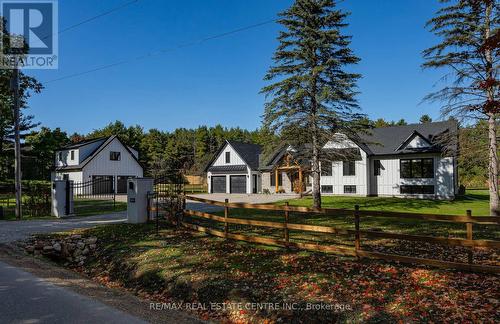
(289, 163)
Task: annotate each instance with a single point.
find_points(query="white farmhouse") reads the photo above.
(102, 158)
(399, 161)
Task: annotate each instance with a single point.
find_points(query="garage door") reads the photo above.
(219, 184)
(238, 184)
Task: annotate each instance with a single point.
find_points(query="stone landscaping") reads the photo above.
(72, 250)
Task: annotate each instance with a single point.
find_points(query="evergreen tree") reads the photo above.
(313, 96)
(425, 119)
(469, 31)
(27, 86)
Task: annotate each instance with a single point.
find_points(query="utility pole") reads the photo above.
(17, 142)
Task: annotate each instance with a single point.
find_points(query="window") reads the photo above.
(114, 156)
(349, 189)
(59, 156)
(273, 179)
(228, 157)
(377, 166)
(417, 168)
(416, 190)
(72, 155)
(349, 168)
(326, 189)
(326, 168)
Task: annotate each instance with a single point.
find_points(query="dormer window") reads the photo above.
(59, 156)
(228, 157)
(114, 156)
(72, 155)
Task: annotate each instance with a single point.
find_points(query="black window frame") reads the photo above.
(273, 179)
(115, 156)
(72, 154)
(348, 189)
(349, 168)
(416, 168)
(59, 156)
(377, 166)
(329, 190)
(228, 157)
(329, 170)
(417, 189)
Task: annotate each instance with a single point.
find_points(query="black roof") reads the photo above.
(388, 140)
(93, 154)
(227, 168)
(250, 153)
(82, 143)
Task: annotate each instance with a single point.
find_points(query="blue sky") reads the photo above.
(218, 81)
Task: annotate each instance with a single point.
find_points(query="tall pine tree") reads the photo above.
(469, 51)
(313, 96)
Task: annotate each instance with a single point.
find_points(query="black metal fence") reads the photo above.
(167, 200)
(92, 196)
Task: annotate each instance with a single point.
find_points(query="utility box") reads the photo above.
(62, 198)
(137, 199)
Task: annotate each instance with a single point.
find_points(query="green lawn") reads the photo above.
(192, 267)
(83, 207)
(475, 200)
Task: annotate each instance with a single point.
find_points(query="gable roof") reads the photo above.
(392, 140)
(82, 143)
(248, 152)
(106, 141)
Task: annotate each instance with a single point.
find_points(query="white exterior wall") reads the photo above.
(389, 181)
(66, 158)
(417, 142)
(338, 180)
(102, 165)
(76, 176)
(235, 158)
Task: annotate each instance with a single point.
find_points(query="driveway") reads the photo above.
(11, 231)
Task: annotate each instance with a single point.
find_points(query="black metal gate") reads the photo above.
(92, 197)
(167, 201)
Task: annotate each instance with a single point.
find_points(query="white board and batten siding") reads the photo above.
(102, 165)
(389, 181)
(338, 180)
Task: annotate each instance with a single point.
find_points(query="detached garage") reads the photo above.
(218, 184)
(238, 184)
(234, 169)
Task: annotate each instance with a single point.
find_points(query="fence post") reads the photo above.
(181, 214)
(157, 215)
(287, 234)
(357, 243)
(469, 237)
(226, 214)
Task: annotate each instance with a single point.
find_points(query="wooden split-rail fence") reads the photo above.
(468, 220)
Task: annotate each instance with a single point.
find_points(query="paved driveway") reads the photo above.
(11, 231)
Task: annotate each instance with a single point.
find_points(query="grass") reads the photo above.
(83, 208)
(192, 267)
(475, 200)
